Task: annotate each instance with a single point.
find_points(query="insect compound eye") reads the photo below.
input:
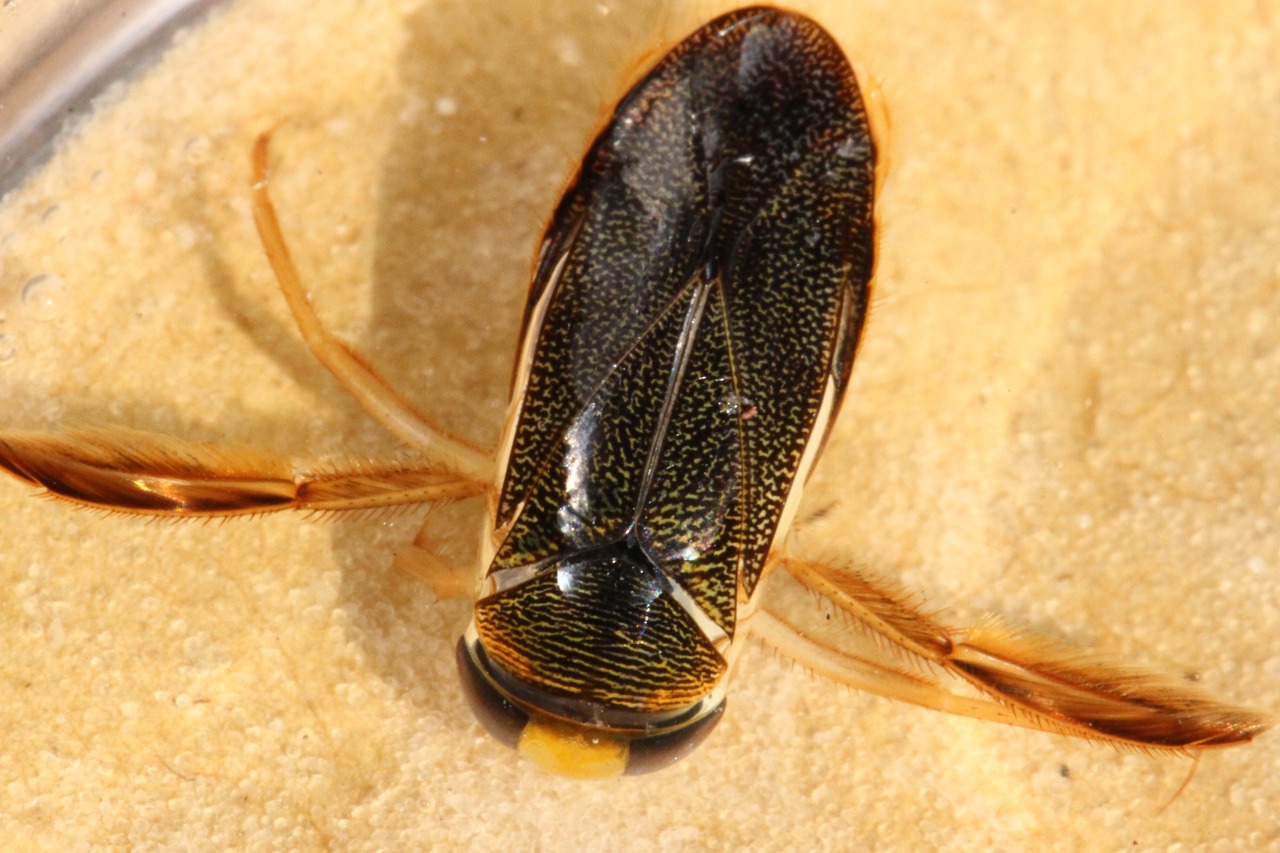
(575, 749)
(662, 750)
(500, 717)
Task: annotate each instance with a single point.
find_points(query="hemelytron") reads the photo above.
(689, 333)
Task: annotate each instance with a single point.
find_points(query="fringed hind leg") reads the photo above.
(123, 470)
(1015, 678)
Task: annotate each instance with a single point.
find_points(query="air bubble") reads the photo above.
(198, 150)
(44, 297)
(568, 51)
(53, 411)
(8, 348)
(145, 180)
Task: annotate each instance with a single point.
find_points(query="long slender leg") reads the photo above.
(1025, 680)
(361, 381)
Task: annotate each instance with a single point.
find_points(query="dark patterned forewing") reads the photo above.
(762, 361)
(700, 293)
(615, 261)
(791, 199)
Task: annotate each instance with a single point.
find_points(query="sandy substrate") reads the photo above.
(1065, 412)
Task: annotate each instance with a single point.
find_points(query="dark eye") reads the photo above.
(662, 750)
(511, 724)
(501, 717)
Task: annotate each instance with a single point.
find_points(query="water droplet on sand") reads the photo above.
(44, 297)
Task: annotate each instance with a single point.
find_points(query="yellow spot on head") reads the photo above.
(570, 751)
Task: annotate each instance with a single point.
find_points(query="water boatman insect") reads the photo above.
(697, 304)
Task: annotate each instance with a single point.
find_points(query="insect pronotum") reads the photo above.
(689, 333)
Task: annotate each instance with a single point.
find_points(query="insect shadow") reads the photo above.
(479, 169)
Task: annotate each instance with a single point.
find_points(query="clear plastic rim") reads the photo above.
(56, 56)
